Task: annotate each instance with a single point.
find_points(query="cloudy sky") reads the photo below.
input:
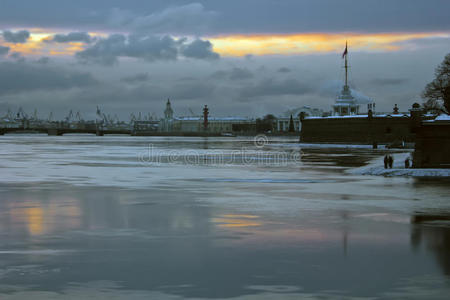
(241, 57)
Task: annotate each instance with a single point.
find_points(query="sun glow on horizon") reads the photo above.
(39, 44)
(241, 45)
(310, 43)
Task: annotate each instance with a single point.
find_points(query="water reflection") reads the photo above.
(338, 157)
(236, 220)
(25, 214)
(162, 240)
(216, 231)
(433, 232)
(35, 220)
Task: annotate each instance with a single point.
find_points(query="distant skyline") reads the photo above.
(243, 58)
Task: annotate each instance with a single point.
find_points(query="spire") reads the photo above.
(346, 63)
(168, 112)
(345, 103)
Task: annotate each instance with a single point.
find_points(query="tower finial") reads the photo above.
(346, 63)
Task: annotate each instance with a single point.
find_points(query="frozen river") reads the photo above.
(119, 217)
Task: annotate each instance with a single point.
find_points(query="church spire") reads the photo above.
(168, 112)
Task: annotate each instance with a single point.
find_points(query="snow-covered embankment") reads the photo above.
(376, 167)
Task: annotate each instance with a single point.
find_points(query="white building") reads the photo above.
(284, 120)
(215, 125)
(195, 123)
(346, 104)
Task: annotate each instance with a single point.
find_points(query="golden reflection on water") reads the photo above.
(236, 220)
(259, 231)
(39, 219)
(35, 219)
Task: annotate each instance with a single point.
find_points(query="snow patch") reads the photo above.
(443, 118)
(376, 167)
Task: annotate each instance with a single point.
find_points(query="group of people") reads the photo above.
(389, 162)
(407, 162)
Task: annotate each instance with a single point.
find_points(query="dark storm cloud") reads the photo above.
(389, 81)
(17, 57)
(284, 70)
(136, 78)
(240, 74)
(192, 90)
(150, 48)
(220, 75)
(72, 37)
(272, 87)
(231, 16)
(106, 51)
(43, 60)
(158, 92)
(187, 18)
(290, 16)
(108, 95)
(18, 37)
(233, 74)
(199, 49)
(4, 50)
(17, 77)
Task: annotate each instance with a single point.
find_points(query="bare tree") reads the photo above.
(437, 92)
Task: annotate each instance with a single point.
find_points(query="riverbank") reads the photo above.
(376, 167)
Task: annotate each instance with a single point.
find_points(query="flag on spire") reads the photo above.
(345, 51)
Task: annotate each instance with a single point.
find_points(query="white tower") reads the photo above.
(345, 104)
(168, 112)
(166, 124)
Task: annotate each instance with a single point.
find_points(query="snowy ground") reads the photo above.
(376, 167)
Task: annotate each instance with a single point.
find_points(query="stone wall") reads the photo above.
(432, 148)
(358, 129)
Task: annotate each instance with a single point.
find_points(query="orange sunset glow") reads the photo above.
(40, 44)
(241, 45)
(306, 43)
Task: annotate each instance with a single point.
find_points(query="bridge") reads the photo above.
(62, 131)
(73, 123)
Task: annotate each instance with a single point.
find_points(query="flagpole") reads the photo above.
(346, 65)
